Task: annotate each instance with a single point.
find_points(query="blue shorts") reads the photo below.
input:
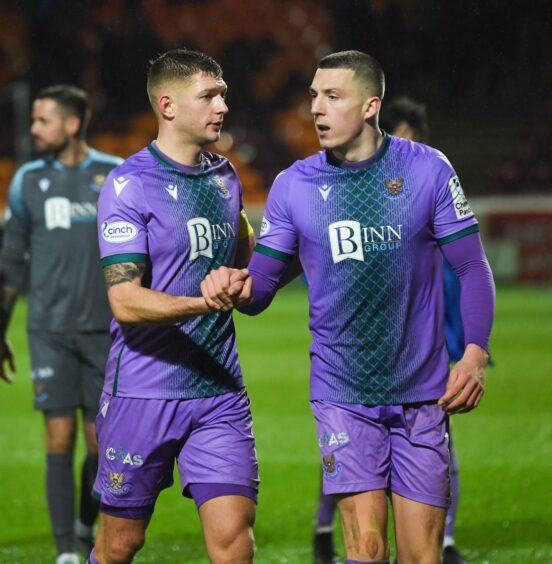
(403, 449)
(211, 440)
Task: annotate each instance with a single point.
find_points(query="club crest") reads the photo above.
(115, 483)
(394, 186)
(220, 183)
(97, 182)
(329, 466)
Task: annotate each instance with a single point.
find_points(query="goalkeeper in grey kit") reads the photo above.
(51, 218)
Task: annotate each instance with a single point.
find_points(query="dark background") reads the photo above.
(483, 68)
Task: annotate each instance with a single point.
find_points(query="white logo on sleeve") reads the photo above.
(118, 231)
(57, 213)
(459, 201)
(265, 226)
(324, 191)
(201, 238)
(120, 183)
(346, 241)
(172, 190)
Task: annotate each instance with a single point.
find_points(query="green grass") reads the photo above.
(504, 447)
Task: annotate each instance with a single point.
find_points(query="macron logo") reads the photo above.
(325, 191)
(172, 190)
(120, 183)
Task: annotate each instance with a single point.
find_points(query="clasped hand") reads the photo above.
(225, 288)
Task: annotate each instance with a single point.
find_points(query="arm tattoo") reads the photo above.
(123, 272)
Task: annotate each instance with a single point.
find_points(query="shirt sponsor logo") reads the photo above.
(333, 439)
(330, 468)
(349, 240)
(124, 456)
(204, 236)
(119, 184)
(118, 231)
(324, 191)
(459, 201)
(265, 226)
(114, 484)
(57, 213)
(61, 213)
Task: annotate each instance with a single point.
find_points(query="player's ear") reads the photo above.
(72, 125)
(372, 107)
(166, 106)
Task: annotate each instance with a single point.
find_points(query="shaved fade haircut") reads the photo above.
(178, 65)
(367, 70)
(408, 111)
(71, 100)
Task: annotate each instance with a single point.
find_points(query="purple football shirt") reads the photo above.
(368, 235)
(181, 222)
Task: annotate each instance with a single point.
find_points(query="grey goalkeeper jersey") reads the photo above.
(52, 218)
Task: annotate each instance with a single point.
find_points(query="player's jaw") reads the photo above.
(209, 132)
(56, 147)
(331, 137)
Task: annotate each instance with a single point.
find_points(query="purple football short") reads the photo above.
(402, 448)
(139, 440)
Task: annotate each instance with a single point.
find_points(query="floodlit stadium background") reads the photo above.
(484, 69)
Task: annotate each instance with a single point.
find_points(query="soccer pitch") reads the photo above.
(504, 447)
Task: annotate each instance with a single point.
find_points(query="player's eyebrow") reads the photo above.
(326, 91)
(215, 90)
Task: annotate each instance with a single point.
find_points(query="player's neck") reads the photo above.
(188, 154)
(364, 147)
(75, 152)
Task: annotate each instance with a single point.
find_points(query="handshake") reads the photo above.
(225, 288)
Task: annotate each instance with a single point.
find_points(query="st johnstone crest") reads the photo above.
(220, 183)
(330, 467)
(394, 186)
(116, 480)
(115, 483)
(97, 182)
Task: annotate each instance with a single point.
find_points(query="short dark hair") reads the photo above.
(365, 67)
(405, 110)
(72, 100)
(179, 64)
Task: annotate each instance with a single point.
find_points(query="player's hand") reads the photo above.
(466, 383)
(6, 355)
(244, 296)
(221, 288)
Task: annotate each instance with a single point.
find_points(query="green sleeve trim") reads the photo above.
(116, 379)
(159, 157)
(458, 235)
(273, 253)
(126, 257)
